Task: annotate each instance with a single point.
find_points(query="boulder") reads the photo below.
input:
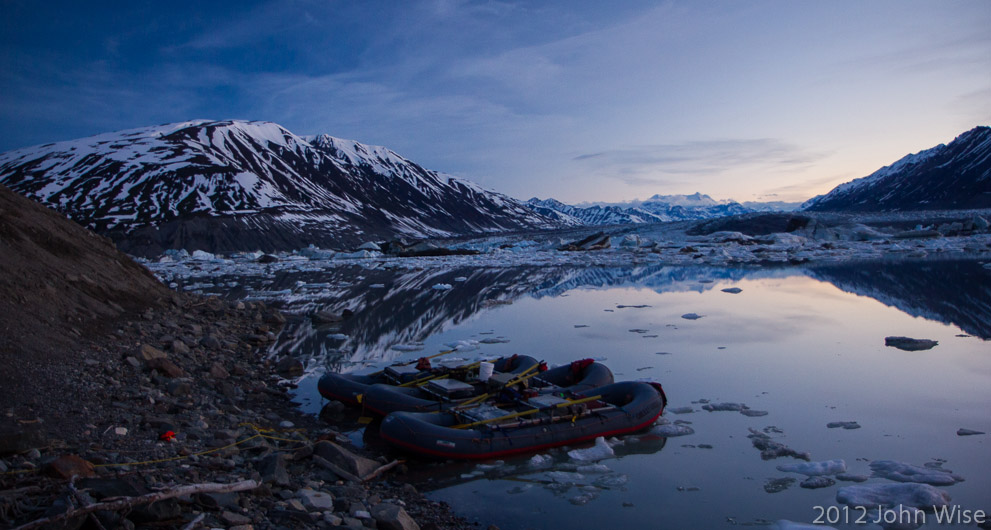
(272, 469)
(910, 344)
(289, 366)
(350, 462)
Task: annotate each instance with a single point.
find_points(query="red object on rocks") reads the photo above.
(167, 436)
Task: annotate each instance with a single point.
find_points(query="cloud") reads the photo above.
(652, 164)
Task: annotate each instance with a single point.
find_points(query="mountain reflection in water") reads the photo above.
(402, 307)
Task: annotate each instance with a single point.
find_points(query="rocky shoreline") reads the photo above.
(198, 369)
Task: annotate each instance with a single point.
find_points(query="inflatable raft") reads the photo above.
(347, 387)
(442, 394)
(539, 423)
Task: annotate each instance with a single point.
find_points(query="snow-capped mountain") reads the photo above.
(239, 185)
(658, 208)
(949, 176)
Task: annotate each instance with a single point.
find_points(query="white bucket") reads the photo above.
(485, 371)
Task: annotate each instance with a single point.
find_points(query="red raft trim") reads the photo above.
(496, 454)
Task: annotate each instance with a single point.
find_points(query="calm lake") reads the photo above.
(806, 345)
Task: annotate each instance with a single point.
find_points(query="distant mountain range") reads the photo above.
(239, 185)
(947, 177)
(658, 208)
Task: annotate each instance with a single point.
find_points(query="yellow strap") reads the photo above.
(445, 352)
(525, 413)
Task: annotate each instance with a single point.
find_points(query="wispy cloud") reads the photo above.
(655, 163)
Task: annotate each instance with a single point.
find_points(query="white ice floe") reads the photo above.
(718, 407)
(442, 287)
(461, 279)
(337, 336)
(691, 316)
(540, 461)
(565, 477)
(463, 345)
(911, 494)
(672, 430)
(599, 451)
(201, 255)
(681, 410)
(593, 468)
(813, 469)
(902, 472)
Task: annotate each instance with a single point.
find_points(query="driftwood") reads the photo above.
(341, 472)
(381, 469)
(128, 502)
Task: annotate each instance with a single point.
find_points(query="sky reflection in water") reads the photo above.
(802, 349)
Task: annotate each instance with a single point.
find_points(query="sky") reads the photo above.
(578, 100)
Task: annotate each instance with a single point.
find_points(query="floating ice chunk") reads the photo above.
(910, 344)
(733, 290)
(201, 255)
(681, 410)
(337, 336)
(584, 498)
(850, 477)
(751, 413)
(611, 480)
(843, 424)
(691, 316)
(442, 287)
(376, 286)
(600, 450)
(812, 469)
(968, 432)
(770, 449)
(461, 279)
(813, 483)
(717, 407)
(565, 477)
(593, 468)
(495, 340)
(777, 485)
(912, 494)
(671, 430)
(407, 347)
(488, 467)
(540, 461)
(902, 472)
(463, 345)
(785, 524)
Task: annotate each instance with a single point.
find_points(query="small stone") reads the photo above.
(210, 342)
(286, 424)
(180, 347)
(149, 352)
(362, 514)
(331, 519)
(272, 469)
(217, 371)
(133, 361)
(242, 527)
(120, 431)
(232, 518)
(315, 501)
(33, 454)
(179, 388)
(691, 316)
(289, 366)
(165, 367)
(968, 432)
(67, 466)
(392, 517)
(295, 504)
